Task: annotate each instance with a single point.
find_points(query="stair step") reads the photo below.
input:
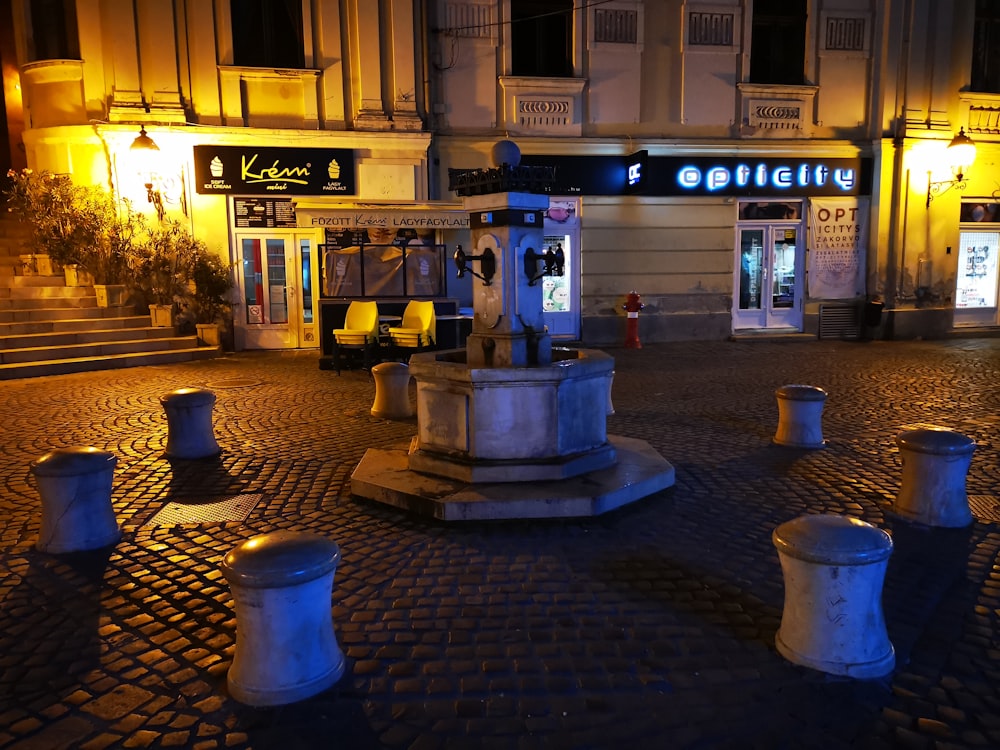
(95, 349)
(77, 324)
(61, 314)
(51, 281)
(69, 338)
(46, 303)
(108, 362)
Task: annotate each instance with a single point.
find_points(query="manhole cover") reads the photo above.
(985, 507)
(231, 508)
(234, 383)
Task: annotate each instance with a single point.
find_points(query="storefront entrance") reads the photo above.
(276, 272)
(561, 294)
(977, 273)
(768, 278)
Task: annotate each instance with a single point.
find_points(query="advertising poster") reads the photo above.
(977, 270)
(838, 231)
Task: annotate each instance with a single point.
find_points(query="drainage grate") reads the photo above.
(233, 383)
(985, 507)
(232, 508)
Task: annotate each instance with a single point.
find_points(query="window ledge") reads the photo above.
(542, 106)
(776, 110)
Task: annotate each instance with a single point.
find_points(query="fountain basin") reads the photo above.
(512, 424)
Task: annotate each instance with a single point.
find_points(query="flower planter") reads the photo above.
(36, 265)
(110, 295)
(161, 316)
(76, 276)
(209, 334)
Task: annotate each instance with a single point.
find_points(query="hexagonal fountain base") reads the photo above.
(385, 477)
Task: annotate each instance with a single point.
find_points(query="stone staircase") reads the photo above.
(48, 328)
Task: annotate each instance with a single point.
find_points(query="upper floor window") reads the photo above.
(267, 33)
(986, 48)
(778, 42)
(54, 35)
(541, 38)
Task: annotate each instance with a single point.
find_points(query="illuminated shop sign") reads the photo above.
(770, 177)
(635, 172)
(274, 171)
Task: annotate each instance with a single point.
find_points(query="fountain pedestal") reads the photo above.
(510, 427)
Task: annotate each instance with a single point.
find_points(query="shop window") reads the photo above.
(382, 263)
(267, 33)
(53, 34)
(778, 42)
(541, 38)
(986, 48)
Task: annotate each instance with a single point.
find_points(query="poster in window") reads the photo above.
(838, 233)
(977, 270)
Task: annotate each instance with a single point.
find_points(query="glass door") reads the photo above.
(768, 277)
(276, 290)
(560, 294)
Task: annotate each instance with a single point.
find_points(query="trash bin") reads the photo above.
(873, 313)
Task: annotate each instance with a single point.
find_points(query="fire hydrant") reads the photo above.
(632, 307)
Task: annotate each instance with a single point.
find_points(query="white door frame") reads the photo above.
(297, 279)
(771, 311)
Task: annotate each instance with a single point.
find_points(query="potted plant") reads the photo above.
(82, 228)
(162, 266)
(213, 282)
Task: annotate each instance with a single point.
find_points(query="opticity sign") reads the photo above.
(758, 177)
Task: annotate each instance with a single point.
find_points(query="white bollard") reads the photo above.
(800, 416)
(832, 620)
(189, 423)
(75, 486)
(932, 489)
(286, 649)
(392, 391)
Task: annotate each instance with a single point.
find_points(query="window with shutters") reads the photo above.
(267, 33)
(541, 38)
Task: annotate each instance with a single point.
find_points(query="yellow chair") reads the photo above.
(360, 333)
(418, 329)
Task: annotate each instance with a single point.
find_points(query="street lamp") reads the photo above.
(145, 152)
(961, 152)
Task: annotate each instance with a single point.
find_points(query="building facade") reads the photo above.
(745, 165)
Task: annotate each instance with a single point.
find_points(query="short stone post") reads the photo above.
(800, 415)
(286, 649)
(392, 391)
(832, 621)
(75, 486)
(189, 423)
(932, 491)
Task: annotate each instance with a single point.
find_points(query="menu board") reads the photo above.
(264, 213)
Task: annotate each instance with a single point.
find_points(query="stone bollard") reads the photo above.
(800, 414)
(832, 621)
(75, 487)
(189, 423)
(286, 649)
(392, 391)
(932, 491)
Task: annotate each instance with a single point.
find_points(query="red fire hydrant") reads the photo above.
(632, 307)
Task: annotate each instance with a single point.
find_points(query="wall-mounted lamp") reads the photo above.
(144, 150)
(961, 152)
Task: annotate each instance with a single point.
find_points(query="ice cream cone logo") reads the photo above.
(333, 169)
(215, 167)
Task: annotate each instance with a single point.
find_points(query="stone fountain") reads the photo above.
(510, 427)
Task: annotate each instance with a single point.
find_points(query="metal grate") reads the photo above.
(985, 507)
(234, 383)
(226, 510)
(839, 322)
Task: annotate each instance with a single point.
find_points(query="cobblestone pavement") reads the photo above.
(652, 626)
